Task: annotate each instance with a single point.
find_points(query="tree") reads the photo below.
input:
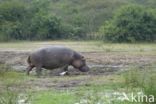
(12, 16)
(45, 27)
(130, 24)
(21, 21)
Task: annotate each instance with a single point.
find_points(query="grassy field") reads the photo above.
(98, 89)
(83, 46)
(80, 89)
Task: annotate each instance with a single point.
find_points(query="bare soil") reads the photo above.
(109, 61)
(101, 63)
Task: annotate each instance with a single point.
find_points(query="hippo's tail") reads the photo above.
(28, 60)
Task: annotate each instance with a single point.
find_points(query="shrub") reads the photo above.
(44, 27)
(21, 21)
(12, 13)
(130, 24)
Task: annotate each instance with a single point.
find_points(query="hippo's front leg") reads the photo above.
(65, 71)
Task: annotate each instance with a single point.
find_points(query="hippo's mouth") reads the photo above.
(84, 68)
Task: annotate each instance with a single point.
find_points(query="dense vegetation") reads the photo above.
(130, 24)
(72, 19)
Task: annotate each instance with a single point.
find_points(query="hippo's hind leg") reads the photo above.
(38, 70)
(29, 68)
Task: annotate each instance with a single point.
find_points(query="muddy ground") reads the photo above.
(93, 58)
(101, 63)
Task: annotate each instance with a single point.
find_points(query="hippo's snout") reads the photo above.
(84, 69)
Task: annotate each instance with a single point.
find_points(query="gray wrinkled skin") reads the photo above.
(55, 57)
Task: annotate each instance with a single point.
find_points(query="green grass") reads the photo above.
(84, 46)
(69, 96)
(142, 79)
(134, 80)
(93, 90)
(54, 97)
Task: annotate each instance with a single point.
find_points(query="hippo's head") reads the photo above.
(80, 64)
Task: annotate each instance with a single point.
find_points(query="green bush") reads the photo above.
(45, 27)
(131, 23)
(21, 21)
(11, 15)
(61, 19)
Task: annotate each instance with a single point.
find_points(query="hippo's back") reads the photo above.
(52, 57)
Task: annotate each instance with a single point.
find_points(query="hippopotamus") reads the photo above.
(53, 57)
